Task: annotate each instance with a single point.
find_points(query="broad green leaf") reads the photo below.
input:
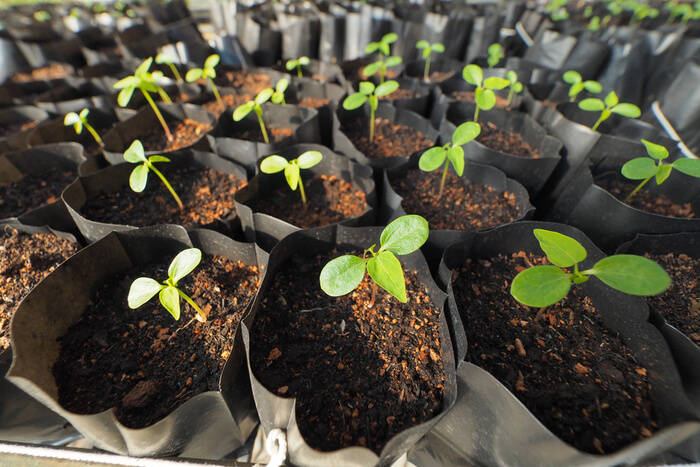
(540, 286)
(304, 61)
(139, 178)
(390, 38)
(291, 64)
(143, 67)
(125, 96)
(688, 166)
(432, 159)
(594, 87)
(282, 85)
(84, 113)
(456, 155)
(393, 61)
(135, 153)
(611, 99)
(561, 250)
(354, 101)
(384, 49)
(465, 132)
(571, 77)
(631, 274)
(371, 69)
(291, 173)
(575, 89)
(366, 87)
(243, 110)
(263, 96)
(663, 173)
(372, 47)
(422, 44)
(157, 158)
(193, 75)
(495, 49)
(128, 82)
(656, 151)
(342, 275)
(385, 270)
(485, 98)
(404, 235)
(472, 74)
(591, 104)
(518, 88)
(170, 300)
(273, 164)
(386, 88)
(142, 290)
(78, 127)
(496, 83)
(212, 61)
(627, 110)
(438, 47)
(309, 158)
(71, 118)
(511, 76)
(184, 263)
(639, 168)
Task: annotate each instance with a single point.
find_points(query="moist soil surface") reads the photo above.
(32, 191)
(439, 76)
(360, 375)
(390, 140)
(463, 205)
(680, 304)
(255, 134)
(506, 141)
(142, 361)
(468, 96)
(230, 101)
(643, 199)
(241, 80)
(329, 199)
(185, 133)
(206, 194)
(313, 102)
(401, 94)
(45, 73)
(7, 130)
(577, 378)
(25, 259)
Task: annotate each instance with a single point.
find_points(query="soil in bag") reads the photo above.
(644, 200)
(230, 101)
(506, 141)
(185, 133)
(142, 361)
(32, 191)
(45, 73)
(468, 96)
(390, 139)
(255, 134)
(242, 80)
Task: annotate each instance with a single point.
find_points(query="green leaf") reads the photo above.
(139, 178)
(426, 53)
(432, 159)
(404, 235)
(472, 74)
(142, 290)
(273, 164)
(422, 44)
(157, 158)
(594, 87)
(264, 96)
(135, 153)
(143, 67)
(511, 76)
(639, 168)
(282, 85)
(371, 69)
(71, 118)
(291, 173)
(366, 87)
(663, 173)
(342, 275)
(485, 98)
(309, 158)
(84, 113)
(162, 58)
(611, 99)
(184, 263)
(211, 61)
(78, 127)
(386, 88)
(393, 61)
(627, 110)
(465, 132)
(125, 96)
(385, 269)
(575, 89)
(438, 47)
(540, 286)
(571, 77)
(656, 151)
(128, 82)
(372, 47)
(291, 64)
(170, 300)
(495, 49)
(561, 250)
(354, 101)
(591, 104)
(193, 75)
(631, 274)
(243, 110)
(496, 83)
(456, 155)
(384, 48)
(390, 38)
(688, 166)
(304, 60)
(518, 88)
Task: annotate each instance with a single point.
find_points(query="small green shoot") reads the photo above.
(139, 176)
(255, 105)
(682, 10)
(515, 86)
(557, 10)
(297, 63)
(611, 105)
(79, 121)
(642, 11)
(368, 92)
(144, 288)
(545, 285)
(484, 96)
(207, 72)
(450, 153)
(594, 24)
(578, 84)
(496, 53)
(278, 92)
(42, 16)
(385, 61)
(428, 49)
(164, 59)
(292, 169)
(404, 235)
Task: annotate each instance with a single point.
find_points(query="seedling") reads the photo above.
(642, 11)
(139, 176)
(428, 49)
(164, 58)
(207, 72)
(644, 168)
(495, 54)
(578, 84)
(682, 10)
(450, 153)
(557, 10)
(594, 24)
(142, 81)
(385, 61)
(144, 288)
(79, 121)
(544, 285)
(292, 169)
(368, 92)
(297, 63)
(255, 105)
(611, 105)
(516, 87)
(484, 96)
(404, 235)
(278, 92)
(42, 16)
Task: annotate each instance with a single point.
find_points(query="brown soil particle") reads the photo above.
(329, 199)
(468, 96)
(463, 205)
(230, 101)
(577, 378)
(313, 102)
(25, 259)
(439, 76)
(254, 134)
(32, 191)
(45, 73)
(644, 199)
(680, 304)
(142, 361)
(207, 195)
(390, 140)
(505, 141)
(7, 130)
(241, 80)
(401, 94)
(185, 133)
(360, 375)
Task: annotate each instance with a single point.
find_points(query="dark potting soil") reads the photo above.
(390, 140)
(230, 101)
(7, 130)
(360, 375)
(255, 134)
(329, 199)
(401, 94)
(468, 96)
(313, 102)
(142, 361)
(578, 378)
(185, 133)
(643, 199)
(440, 76)
(680, 304)
(45, 73)
(32, 191)
(241, 80)
(505, 141)
(206, 194)
(25, 259)
(462, 206)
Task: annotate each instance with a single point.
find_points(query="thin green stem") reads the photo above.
(510, 97)
(216, 92)
(299, 73)
(301, 190)
(382, 72)
(444, 177)
(597, 123)
(639, 187)
(167, 185)
(176, 73)
(164, 96)
(476, 112)
(94, 134)
(258, 112)
(371, 123)
(426, 72)
(158, 114)
(192, 303)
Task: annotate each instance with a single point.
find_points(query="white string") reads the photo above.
(276, 446)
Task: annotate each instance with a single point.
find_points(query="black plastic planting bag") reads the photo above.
(416, 68)
(423, 96)
(680, 103)
(264, 44)
(560, 52)
(25, 115)
(11, 58)
(267, 230)
(203, 427)
(485, 30)
(278, 412)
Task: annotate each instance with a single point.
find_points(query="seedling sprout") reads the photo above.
(278, 92)
(484, 96)
(255, 105)
(385, 61)
(139, 176)
(207, 72)
(515, 86)
(578, 84)
(79, 121)
(297, 63)
(428, 49)
(292, 169)
(164, 58)
(368, 92)
(609, 106)
(495, 54)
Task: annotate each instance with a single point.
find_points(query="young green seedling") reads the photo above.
(42, 16)
(207, 72)
(142, 81)
(139, 176)
(163, 58)
(368, 92)
(144, 288)
(484, 97)
(644, 168)
(682, 10)
(297, 63)
(594, 24)
(428, 49)
(557, 10)
(495, 54)
(278, 93)
(255, 105)
(450, 153)
(544, 285)
(642, 11)
(404, 235)
(578, 84)
(515, 86)
(79, 121)
(385, 61)
(611, 105)
(292, 169)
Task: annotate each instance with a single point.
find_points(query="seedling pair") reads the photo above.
(297, 63)
(275, 95)
(385, 61)
(368, 92)
(496, 53)
(515, 86)
(484, 96)
(139, 176)
(611, 105)
(428, 49)
(207, 72)
(292, 169)
(578, 84)
(79, 121)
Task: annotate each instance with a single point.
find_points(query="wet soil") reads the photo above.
(249, 82)
(7, 130)
(468, 96)
(32, 191)
(643, 199)
(230, 101)
(255, 134)
(390, 140)
(45, 73)
(401, 94)
(313, 102)
(185, 133)
(506, 141)
(439, 76)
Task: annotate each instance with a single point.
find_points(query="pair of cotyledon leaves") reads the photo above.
(611, 104)
(433, 158)
(77, 120)
(275, 163)
(136, 155)
(297, 63)
(383, 45)
(484, 96)
(429, 48)
(641, 168)
(578, 84)
(275, 95)
(141, 79)
(207, 71)
(368, 91)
